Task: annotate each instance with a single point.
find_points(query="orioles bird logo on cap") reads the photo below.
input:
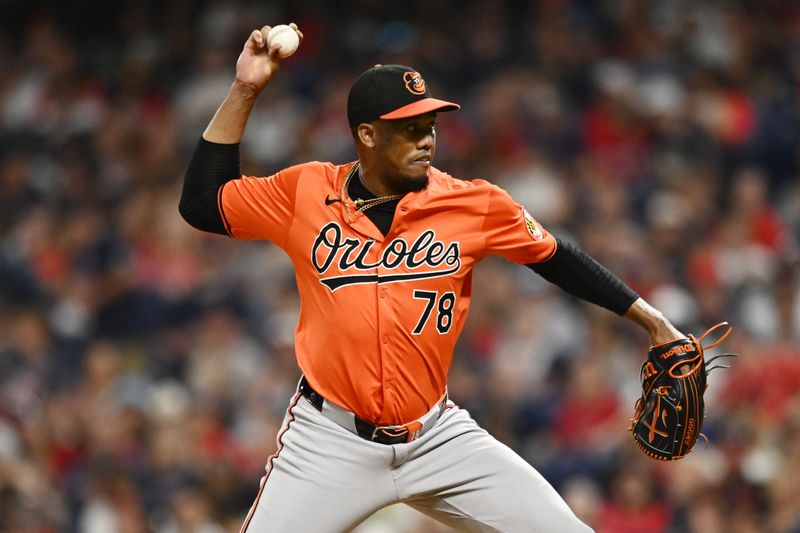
(414, 82)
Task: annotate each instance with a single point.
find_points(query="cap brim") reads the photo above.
(420, 107)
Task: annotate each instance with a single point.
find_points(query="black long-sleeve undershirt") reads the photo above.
(578, 274)
(212, 165)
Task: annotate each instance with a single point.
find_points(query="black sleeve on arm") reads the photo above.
(212, 165)
(581, 276)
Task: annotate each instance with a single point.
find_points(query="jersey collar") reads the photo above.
(361, 223)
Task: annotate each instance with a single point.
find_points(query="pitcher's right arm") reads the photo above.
(215, 160)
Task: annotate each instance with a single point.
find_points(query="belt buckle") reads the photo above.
(398, 434)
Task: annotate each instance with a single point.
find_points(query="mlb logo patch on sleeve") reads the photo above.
(533, 227)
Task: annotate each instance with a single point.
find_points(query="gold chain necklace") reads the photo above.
(359, 204)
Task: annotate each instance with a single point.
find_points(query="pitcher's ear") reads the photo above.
(365, 134)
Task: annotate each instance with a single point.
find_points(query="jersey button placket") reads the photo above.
(384, 321)
(384, 318)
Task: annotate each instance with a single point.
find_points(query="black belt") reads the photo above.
(364, 429)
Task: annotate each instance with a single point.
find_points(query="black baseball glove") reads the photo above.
(668, 417)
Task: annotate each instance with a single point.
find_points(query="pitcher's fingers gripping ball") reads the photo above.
(669, 415)
(284, 36)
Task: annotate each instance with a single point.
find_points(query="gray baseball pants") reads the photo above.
(325, 479)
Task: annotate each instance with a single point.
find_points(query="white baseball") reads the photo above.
(284, 36)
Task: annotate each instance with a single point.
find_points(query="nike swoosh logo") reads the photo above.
(329, 200)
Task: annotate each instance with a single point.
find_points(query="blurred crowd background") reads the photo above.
(145, 367)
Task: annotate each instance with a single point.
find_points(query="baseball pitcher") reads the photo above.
(383, 250)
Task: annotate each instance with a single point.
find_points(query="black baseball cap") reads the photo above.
(391, 92)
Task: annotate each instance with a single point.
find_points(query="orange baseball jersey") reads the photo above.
(380, 315)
